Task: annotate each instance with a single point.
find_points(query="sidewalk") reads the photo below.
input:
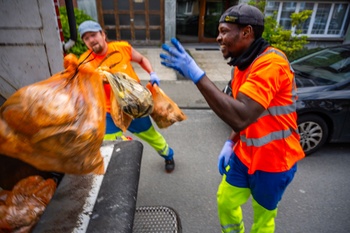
(210, 59)
(179, 89)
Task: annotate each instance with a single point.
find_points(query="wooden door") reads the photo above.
(209, 15)
(141, 22)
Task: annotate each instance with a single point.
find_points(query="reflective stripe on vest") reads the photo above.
(277, 135)
(274, 111)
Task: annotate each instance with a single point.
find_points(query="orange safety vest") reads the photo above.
(270, 144)
(118, 58)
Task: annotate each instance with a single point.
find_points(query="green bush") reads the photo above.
(283, 39)
(276, 36)
(80, 16)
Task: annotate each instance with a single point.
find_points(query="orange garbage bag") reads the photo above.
(57, 124)
(166, 112)
(21, 208)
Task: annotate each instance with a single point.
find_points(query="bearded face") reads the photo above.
(96, 41)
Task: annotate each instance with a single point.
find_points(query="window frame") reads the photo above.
(342, 29)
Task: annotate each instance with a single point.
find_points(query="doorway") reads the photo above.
(141, 22)
(197, 20)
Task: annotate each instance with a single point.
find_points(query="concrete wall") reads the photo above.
(170, 20)
(30, 45)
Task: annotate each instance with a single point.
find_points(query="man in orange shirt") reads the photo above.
(260, 157)
(119, 55)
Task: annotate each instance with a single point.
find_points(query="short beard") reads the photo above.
(228, 56)
(97, 49)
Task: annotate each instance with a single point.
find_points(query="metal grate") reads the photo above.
(156, 219)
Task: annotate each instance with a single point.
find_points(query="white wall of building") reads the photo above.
(30, 45)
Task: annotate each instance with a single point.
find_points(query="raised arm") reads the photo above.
(145, 64)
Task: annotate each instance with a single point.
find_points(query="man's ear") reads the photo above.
(247, 30)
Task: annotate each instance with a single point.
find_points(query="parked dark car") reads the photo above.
(323, 105)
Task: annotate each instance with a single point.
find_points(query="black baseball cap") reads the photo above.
(243, 14)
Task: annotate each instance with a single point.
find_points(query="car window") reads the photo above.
(325, 67)
(342, 66)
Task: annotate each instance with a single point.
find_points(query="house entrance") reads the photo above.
(141, 22)
(197, 20)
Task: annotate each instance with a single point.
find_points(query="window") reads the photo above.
(137, 21)
(305, 26)
(321, 17)
(185, 8)
(339, 12)
(271, 8)
(287, 9)
(327, 20)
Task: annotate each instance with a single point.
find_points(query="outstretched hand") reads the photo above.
(178, 59)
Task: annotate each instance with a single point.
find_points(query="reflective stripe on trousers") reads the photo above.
(230, 199)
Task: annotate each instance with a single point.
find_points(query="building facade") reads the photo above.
(152, 22)
(327, 25)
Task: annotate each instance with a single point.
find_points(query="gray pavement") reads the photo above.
(182, 91)
(208, 57)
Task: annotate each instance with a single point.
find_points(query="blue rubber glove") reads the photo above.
(225, 156)
(178, 59)
(154, 78)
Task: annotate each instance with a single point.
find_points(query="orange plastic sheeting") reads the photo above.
(21, 208)
(166, 112)
(57, 124)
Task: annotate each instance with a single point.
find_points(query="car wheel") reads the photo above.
(313, 132)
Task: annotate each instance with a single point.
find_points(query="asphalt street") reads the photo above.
(317, 201)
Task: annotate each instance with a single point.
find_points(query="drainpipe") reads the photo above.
(72, 26)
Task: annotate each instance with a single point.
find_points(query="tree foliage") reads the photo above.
(80, 16)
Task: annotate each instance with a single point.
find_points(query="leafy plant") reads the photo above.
(281, 38)
(80, 16)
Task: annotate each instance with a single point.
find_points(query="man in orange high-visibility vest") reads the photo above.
(120, 54)
(260, 157)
